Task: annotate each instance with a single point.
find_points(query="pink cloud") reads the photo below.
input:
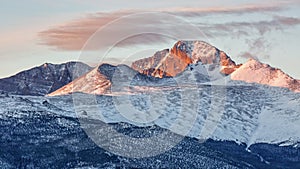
(74, 35)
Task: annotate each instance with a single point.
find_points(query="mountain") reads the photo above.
(254, 71)
(43, 79)
(172, 62)
(187, 62)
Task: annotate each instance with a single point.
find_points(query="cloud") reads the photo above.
(258, 44)
(73, 35)
(248, 55)
(277, 23)
(133, 27)
(244, 28)
(257, 49)
(226, 10)
(122, 28)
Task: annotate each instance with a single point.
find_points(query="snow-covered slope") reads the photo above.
(241, 112)
(254, 71)
(40, 132)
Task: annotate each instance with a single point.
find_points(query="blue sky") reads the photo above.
(35, 32)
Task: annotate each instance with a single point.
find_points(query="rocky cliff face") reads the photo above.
(182, 54)
(43, 79)
(163, 63)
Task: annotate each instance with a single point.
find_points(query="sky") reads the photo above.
(34, 32)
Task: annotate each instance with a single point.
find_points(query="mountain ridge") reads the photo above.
(43, 79)
(186, 61)
(106, 79)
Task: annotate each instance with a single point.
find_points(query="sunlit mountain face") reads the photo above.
(184, 53)
(190, 106)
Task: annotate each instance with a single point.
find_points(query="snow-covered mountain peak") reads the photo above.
(199, 51)
(255, 64)
(253, 71)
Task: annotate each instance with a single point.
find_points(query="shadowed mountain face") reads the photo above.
(107, 78)
(43, 79)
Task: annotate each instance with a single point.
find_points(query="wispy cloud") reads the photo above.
(248, 55)
(252, 33)
(243, 28)
(257, 49)
(226, 10)
(74, 35)
(123, 27)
